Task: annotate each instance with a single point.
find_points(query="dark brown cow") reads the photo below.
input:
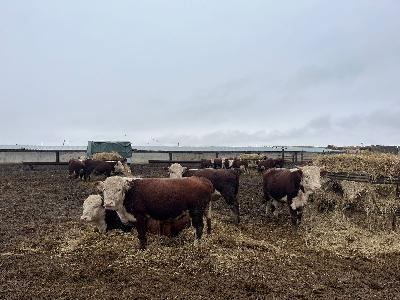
(217, 163)
(292, 186)
(269, 163)
(75, 168)
(226, 163)
(161, 199)
(240, 163)
(226, 182)
(206, 163)
(98, 167)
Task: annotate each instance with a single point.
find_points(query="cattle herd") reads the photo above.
(166, 206)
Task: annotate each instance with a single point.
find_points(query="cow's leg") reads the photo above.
(208, 217)
(299, 215)
(197, 223)
(233, 202)
(141, 227)
(293, 215)
(275, 208)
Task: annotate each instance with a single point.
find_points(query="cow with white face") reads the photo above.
(293, 186)
(114, 189)
(176, 170)
(94, 212)
(104, 220)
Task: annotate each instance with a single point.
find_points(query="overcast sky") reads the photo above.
(200, 72)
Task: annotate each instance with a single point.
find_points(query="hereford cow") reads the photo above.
(269, 163)
(100, 167)
(292, 186)
(227, 163)
(75, 168)
(226, 182)
(206, 163)
(241, 164)
(217, 163)
(105, 220)
(161, 199)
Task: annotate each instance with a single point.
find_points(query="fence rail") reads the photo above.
(363, 178)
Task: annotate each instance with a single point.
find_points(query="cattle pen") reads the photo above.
(60, 155)
(46, 252)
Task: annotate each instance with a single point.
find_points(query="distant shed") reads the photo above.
(122, 148)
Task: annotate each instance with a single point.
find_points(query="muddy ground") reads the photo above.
(46, 253)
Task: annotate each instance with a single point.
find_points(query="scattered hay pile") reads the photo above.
(339, 234)
(251, 156)
(371, 164)
(360, 196)
(357, 217)
(108, 156)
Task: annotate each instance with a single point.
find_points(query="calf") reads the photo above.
(105, 220)
(269, 163)
(75, 168)
(226, 182)
(161, 199)
(293, 186)
(100, 167)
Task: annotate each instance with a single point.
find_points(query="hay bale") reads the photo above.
(251, 156)
(115, 156)
(372, 200)
(372, 164)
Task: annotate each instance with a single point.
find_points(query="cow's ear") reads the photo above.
(128, 184)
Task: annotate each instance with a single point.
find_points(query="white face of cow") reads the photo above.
(114, 189)
(176, 170)
(311, 178)
(93, 211)
(230, 163)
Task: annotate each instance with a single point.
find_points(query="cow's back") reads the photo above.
(165, 198)
(219, 178)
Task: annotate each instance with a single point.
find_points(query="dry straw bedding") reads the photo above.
(372, 164)
(108, 156)
(352, 218)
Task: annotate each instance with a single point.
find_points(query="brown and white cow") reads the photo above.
(100, 167)
(161, 199)
(269, 163)
(292, 186)
(226, 182)
(105, 220)
(75, 168)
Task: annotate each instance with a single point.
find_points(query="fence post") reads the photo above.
(170, 156)
(57, 157)
(283, 154)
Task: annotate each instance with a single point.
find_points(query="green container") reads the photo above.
(123, 148)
